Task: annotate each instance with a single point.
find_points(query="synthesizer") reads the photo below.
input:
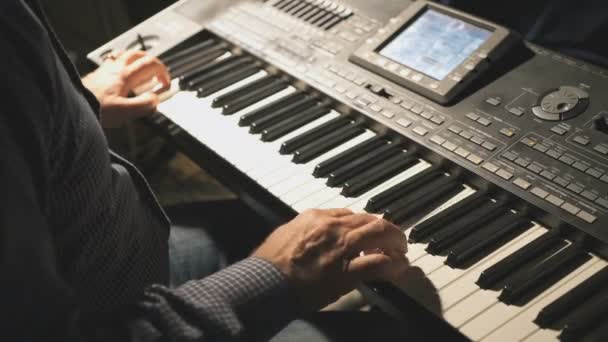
(490, 152)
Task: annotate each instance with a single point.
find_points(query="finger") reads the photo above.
(338, 212)
(377, 267)
(130, 56)
(378, 234)
(356, 220)
(135, 107)
(143, 70)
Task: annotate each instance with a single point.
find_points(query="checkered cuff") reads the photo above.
(245, 295)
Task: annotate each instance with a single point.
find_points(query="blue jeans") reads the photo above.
(192, 255)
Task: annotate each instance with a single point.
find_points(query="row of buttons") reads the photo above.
(552, 177)
(550, 198)
(329, 46)
(581, 166)
(574, 187)
(450, 146)
(480, 120)
(601, 148)
(418, 109)
(560, 203)
(475, 139)
(350, 76)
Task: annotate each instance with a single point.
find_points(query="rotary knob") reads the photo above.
(560, 104)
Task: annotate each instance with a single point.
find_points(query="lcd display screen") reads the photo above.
(435, 44)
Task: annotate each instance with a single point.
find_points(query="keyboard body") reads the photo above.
(507, 211)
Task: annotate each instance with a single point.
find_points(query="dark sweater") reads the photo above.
(82, 238)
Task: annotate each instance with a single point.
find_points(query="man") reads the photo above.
(83, 244)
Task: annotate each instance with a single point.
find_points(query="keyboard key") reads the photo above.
(280, 129)
(433, 224)
(474, 245)
(572, 299)
(283, 114)
(363, 163)
(404, 188)
(326, 167)
(378, 174)
(489, 276)
(326, 143)
(465, 225)
(294, 98)
(538, 275)
(410, 205)
(293, 144)
(254, 96)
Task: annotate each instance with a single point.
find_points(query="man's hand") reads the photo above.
(120, 75)
(326, 253)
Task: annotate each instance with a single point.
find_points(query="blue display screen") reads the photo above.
(435, 44)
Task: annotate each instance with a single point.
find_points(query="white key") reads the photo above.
(272, 160)
(196, 116)
(500, 313)
(270, 173)
(246, 147)
(316, 199)
(447, 274)
(523, 324)
(307, 179)
(472, 306)
(464, 286)
(358, 204)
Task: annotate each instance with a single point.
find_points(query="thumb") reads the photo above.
(377, 266)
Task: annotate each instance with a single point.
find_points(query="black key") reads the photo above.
(326, 167)
(283, 102)
(297, 8)
(194, 49)
(363, 163)
(320, 14)
(532, 278)
(291, 6)
(473, 245)
(255, 97)
(312, 13)
(281, 114)
(242, 91)
(326, 143)
(283, 128)
(331, 23)
(572, 299)
(592, 314)
(464, 226)
(309, 136)
(378, 174)
(212, 70)
(194, 70)
(511, 263)
(228, 80)
(442, 219)
(385, 198)
(599, 333)
(322, 20)
(304, 10)
(283, 3)
(421, 199)
(195, 61)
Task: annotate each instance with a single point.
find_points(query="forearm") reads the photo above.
(251, 294)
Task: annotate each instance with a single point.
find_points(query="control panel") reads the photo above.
(529, 120)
